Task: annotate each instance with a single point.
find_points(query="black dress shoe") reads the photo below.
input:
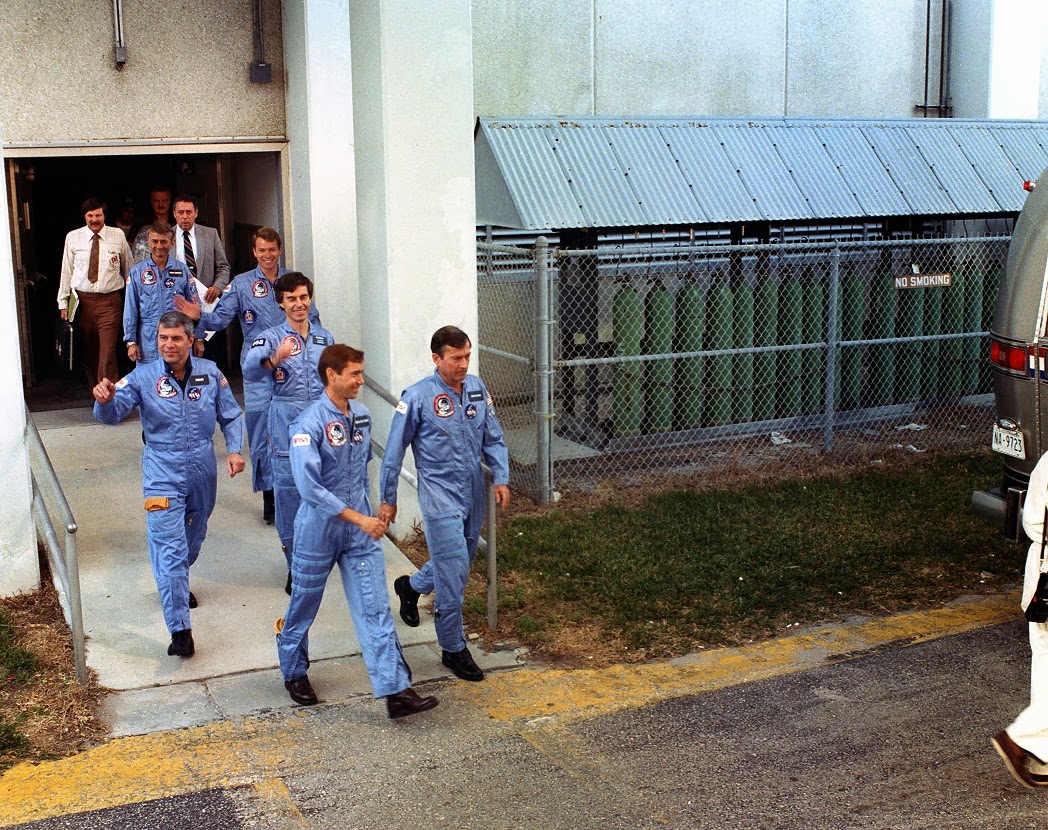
(181, 643)
(301, 691)
(268, 507)
(407, 703)
(462, 665)
(287, 585)
(192, 600)
(408, 600)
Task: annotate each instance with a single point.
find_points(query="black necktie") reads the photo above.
(190, 259)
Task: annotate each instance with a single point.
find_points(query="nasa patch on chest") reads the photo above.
(169, 283)
(471, 410)
(336, 433)
(165, 388)
(295, 344)
(193, 394)
(443, 405)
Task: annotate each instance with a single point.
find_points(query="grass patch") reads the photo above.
(17, 664)
(44, 712)
(681, 570)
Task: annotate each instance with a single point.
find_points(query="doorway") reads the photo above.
(234, 192)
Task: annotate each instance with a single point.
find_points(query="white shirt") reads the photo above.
(180, 245)
(114, 262)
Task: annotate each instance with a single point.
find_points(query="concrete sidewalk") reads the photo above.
(238, 580)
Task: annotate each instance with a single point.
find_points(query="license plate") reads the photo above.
(1008, 442)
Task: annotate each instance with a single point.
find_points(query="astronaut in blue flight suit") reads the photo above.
(180, 400)
(250, 298)
(448, 419)
(151, 289)
(330, 448)
(287, 354)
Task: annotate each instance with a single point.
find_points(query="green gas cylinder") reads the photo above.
(788, 364)
(972, 348)
(849, 358)
(909, 323)
(765, 332)
(931, 351)
(691, 320)
(813, 361)
(718, 369)
(658, 324)
(627, 320)
(884, 300)
(951, 352)
(742, 364)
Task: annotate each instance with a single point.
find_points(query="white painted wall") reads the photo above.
(19, 567)
(700, 57)
(999, 65)
(413, 107)
(323, 204)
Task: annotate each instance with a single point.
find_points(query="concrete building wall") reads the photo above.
(700, 57)
(186, 76)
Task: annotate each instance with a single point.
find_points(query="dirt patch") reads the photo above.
(52, 713)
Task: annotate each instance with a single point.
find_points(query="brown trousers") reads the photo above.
(100, 317)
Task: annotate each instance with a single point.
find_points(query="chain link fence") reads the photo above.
(647, 365)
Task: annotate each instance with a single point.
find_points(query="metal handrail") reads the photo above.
(65, 564)
(487, 546)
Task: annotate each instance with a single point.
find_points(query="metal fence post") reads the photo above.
(831, 349)
(543, 376)
(491, 555)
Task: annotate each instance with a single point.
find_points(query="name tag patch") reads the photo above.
(319, 340)
(200, 380)
(475, 396)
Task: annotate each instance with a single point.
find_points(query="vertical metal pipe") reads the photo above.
(493, 567)
(831, 348)
(543, 376)
(76, 611)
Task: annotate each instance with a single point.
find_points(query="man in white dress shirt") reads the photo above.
(95, 262)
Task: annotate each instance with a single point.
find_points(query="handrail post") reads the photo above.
(64, 561)
(543, 376)
(831, 349)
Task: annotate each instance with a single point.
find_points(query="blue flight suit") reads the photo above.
(250, 298)
(449, 435)
(151, 291)
(179, 472)
(329, 457)
(295, 384)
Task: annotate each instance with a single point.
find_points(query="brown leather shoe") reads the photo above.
(407, 703)
(1015, 758)
(301, 691)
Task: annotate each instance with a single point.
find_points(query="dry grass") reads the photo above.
(54, 715)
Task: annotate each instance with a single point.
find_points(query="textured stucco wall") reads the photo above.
(186, 75)
(864, 58)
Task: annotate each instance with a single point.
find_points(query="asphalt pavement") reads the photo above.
(866, 723)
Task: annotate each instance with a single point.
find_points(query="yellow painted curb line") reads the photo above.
(146, 767)
(255, 751)
(530, 694)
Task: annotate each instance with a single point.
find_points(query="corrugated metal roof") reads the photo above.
(637, 172)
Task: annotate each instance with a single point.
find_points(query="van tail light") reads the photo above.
(1012, 358)
(1029, 186)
